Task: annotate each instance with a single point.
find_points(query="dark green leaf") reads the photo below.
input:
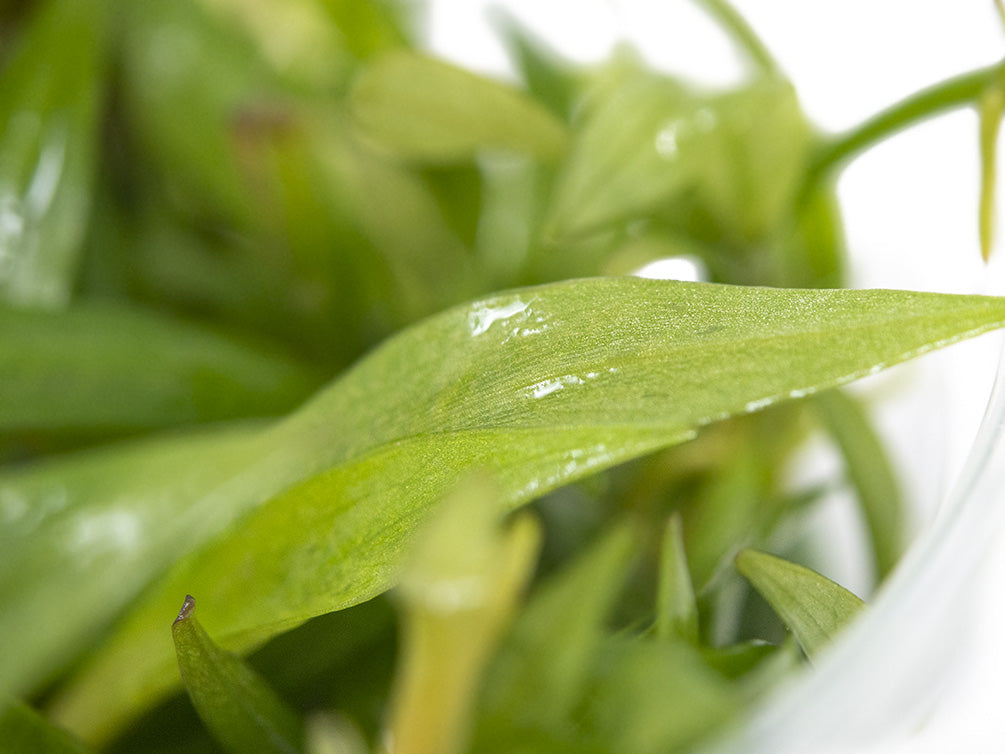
(107, 368)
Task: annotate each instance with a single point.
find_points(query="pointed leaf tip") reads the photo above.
(813, 607)
(187, 608)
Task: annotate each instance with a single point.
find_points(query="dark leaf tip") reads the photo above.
(188, 606)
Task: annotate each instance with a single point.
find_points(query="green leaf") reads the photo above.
(424, 109)
(814, 608)
(736, 158)
(538, 679)
(649, 697)
(369, 28)
(459, 590)
(208, 159)
(22, 729)
(109, 368)
(540, 386)
(676, 609)
(53, 88)
(619, 168)
(991, 109)
(551, 80)
(234, 702)
(871, 474)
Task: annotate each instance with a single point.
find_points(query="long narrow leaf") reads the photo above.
(53, 87)
(871, 473)
(542, 386)
(109, 368)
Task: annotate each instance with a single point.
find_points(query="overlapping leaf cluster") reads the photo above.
(251, 340)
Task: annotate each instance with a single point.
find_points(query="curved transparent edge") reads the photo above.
(881, 681)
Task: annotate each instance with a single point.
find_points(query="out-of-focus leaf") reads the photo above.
(234, 702)
(540, 675)
(871, 473)
(992, 107)
(458, 591)
(725, 514)
(810, 249)
(637, 146)
(743, 35)
(205, 159)
(424, 109)
(676, 610)
(22, 729)
(561, 683)
(541, 386)
(298, 39)
(428, 266)
(738, 157)
(752, 159)
(94, 369)
(332, 734)
(736, 660)
(814, 608)
(650, 697)
(547, 78)
(53, 89)
(372, 27)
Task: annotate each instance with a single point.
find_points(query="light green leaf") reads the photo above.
(234, 702)
(425, 109)
(108, 368)
(814, 608)
(871, 474)
(539, 676)
(676, 609)
(644, 144)
(22, 729)
(991, 109)
(540, 386)
(372, 27)
(459, 590)
(53, 87)
(637, 145)
(648, 697)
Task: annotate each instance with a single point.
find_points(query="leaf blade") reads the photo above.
(814, 607)
(234, 702)
(597, 371)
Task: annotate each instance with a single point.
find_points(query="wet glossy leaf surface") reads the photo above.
(540, 386)
(53, 88)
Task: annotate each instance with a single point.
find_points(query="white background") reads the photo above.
(911, 218)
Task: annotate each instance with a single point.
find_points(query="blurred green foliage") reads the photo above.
(210, 208)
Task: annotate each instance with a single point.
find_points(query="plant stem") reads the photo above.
(742, 33)
(952, 93)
